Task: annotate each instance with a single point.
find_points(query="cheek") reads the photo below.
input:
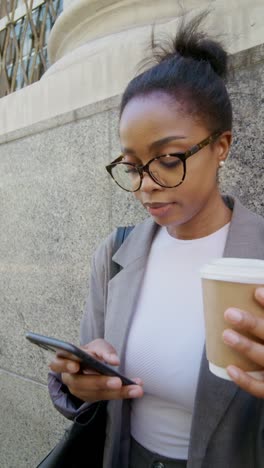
(200, 178)
(137, 195)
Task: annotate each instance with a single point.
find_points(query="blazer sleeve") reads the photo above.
(92, 327)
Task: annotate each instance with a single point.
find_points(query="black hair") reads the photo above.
(192, 68)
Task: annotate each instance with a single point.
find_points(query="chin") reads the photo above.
(166, 222)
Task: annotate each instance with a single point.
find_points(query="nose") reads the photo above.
(148, 184)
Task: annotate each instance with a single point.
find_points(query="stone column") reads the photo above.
(95, 47)
(104, 40)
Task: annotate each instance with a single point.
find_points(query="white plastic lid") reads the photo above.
(237, 270)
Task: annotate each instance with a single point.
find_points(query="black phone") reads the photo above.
(69, 351)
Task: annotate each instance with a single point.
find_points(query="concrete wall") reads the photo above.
(57, 203)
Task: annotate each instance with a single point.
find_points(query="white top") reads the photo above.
(166, 340)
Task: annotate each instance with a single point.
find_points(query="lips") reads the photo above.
(158, 209)
(157, 204)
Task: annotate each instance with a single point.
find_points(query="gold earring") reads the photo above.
(221, 163)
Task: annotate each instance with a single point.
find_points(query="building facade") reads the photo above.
(57, 203)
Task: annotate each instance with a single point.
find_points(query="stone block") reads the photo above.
(243, 175)
(30, 426)
(55, 207)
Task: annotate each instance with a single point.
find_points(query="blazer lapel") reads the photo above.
(246, 235)
(123, 289)
(214, 395)
(122, 295)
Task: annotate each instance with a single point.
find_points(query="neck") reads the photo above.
(213, 216)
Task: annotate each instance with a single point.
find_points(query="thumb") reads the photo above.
(259, 295)
(103, 351)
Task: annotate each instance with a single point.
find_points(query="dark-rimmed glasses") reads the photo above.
(168, 170)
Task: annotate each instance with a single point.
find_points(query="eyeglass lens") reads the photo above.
(167, 171)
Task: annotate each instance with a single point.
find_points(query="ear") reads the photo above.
(222, 146)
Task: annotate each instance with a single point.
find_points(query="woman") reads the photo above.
(175, 132)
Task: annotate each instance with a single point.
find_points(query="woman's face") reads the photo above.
(144, 125)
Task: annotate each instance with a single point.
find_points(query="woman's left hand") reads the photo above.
(246, 322)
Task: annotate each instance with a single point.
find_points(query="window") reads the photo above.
(24, 29)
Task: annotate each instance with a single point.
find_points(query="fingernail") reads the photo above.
(234, 315)
(114, 356)
(111, 357)
(133, 393)
(71, 367)
(113, 383)
(259, 293)
(137, 380)
(233, 372)
(230, 337)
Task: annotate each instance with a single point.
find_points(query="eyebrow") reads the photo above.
(157, 144)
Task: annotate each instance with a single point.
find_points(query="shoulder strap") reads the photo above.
(121, 235)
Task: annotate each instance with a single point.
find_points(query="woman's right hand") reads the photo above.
(90, 386)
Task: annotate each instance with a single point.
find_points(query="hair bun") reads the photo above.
(189, 68)
(191, 42)
(198, 47)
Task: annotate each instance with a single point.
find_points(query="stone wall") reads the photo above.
(243, 175)
(57, 203)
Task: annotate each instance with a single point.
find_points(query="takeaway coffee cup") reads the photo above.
(229, 282)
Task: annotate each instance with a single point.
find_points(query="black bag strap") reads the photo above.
(121, 234)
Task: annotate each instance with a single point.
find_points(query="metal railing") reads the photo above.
(24, 30)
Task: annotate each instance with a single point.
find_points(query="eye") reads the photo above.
(169, 161)
(129, 169)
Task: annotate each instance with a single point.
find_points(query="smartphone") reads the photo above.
(69, 351)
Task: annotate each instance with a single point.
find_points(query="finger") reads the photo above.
(137, 380)
(246, 382)
(94, 382)
(100, 387)
(111, 358)
(91, 382)
(259, 295)
(88, 371)
(64, 365)
(103, 351)
(254, 351)
(122, 394)
(125, 392)
(245, 321)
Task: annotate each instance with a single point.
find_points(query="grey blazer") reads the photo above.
(228, 424)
